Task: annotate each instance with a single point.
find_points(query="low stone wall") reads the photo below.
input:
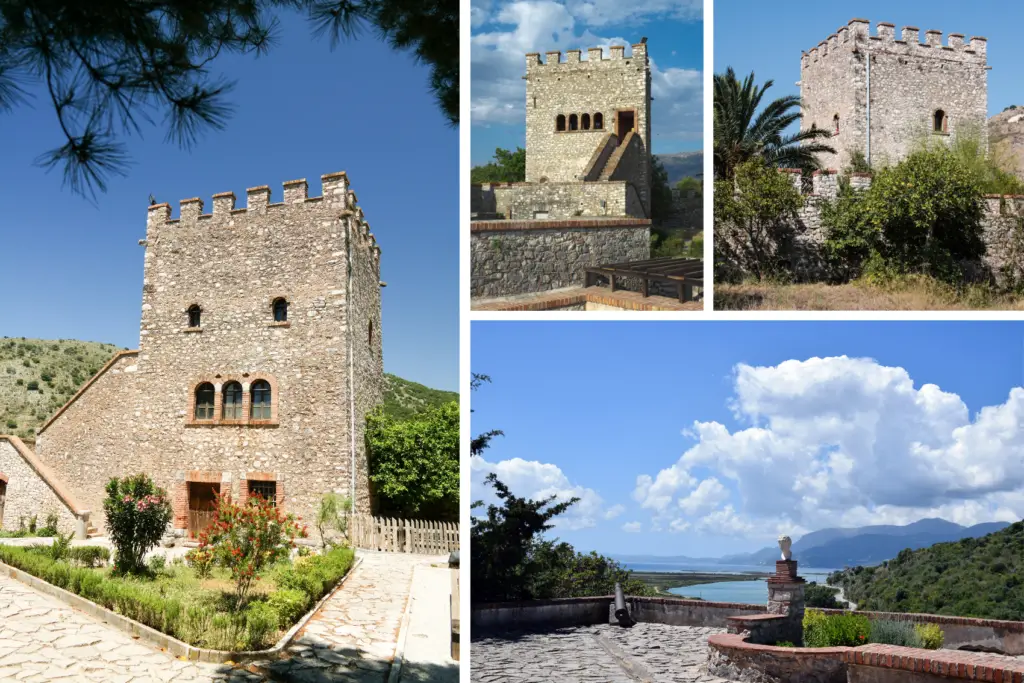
(33, 490)
(535, 614)
(734, 657)
(557, 201)
(677, 612)
(520, 257)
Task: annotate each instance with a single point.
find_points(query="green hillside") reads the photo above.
(38, 376)
(975, 577)
(404, 399)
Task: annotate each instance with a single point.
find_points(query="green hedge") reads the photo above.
(852, 630)
(194, 618)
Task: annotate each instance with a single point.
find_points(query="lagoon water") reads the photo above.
(752, 592)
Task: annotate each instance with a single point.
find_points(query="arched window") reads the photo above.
(204, 401)
(560, 122)
(940, 122)
(574, 123)
(232, 409)
(835, 125)
(280, 311)
(585, 121)
(194, 315)
(599, 121)
(259, 407)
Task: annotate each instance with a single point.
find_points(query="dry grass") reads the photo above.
(909, 295)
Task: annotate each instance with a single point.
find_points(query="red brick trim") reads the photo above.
(180, 505)
(243, 491)
(110, 363)
(570, 223)
(219, 420)
(1011, 626)
(45, 473)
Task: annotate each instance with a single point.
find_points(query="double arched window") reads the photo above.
(235, 405)
(574, 122)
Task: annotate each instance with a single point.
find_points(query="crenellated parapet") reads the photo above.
(594, 55)
(856, 35)
(337, 199)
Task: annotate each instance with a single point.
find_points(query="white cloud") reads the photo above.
(842, 442)
(632, 527)
(537, 481)
(498, 56)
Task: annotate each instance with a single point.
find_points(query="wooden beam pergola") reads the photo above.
(684, 273)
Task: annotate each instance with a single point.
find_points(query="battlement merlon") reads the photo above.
(857, 33)
(594, 54)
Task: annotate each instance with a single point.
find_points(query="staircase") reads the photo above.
(613, 160)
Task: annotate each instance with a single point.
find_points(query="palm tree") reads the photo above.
(742, 134)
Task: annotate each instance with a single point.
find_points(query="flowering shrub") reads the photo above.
(201, 561)
(137, 515)
(246, 540)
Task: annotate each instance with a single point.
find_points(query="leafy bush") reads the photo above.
(816, 595)
(888, 632)
(157, 563)
(247, 540)
(260, 624)
(60, 549)
(316, 575)
(931, 636)
(201, 561)
(137, 515)
(289, 604)
(89, 555)
(331, 516)
(50, 528)
(832, 630)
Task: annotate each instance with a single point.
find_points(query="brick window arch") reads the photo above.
(261, 403)
(195, 315)
(598, 121)
(585, 121)
(940, 122)
(280, 307)
(204, 401)
(574, 122)
(232, 401)
(560, 122)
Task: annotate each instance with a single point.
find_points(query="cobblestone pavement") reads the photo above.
(352, 638)
(596, 654)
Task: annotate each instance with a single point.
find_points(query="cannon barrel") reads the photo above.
(621, 611)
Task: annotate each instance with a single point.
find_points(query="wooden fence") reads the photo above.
(403, 535)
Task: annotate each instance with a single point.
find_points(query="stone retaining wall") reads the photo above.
(690, 612)
(558, 201)
(520, 257)
(531, 614)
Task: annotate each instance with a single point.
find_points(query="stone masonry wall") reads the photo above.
(28, 492)
(632, 163)
(598, 84)
(556, 201)
(1002, 231)
(234, 263)
(519, 257)
(910, 82)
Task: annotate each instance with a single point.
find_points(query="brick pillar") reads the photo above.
(243, 491)
(279, 490)
(786, 598)
(180, 505)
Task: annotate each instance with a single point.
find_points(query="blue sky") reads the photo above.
(505, 30)
(72, 269)
(751, 35)
(708, 438)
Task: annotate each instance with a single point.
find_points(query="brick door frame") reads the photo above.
(181, 492)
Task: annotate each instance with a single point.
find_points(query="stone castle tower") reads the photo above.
(580, 114)
(259, 357)
(917, 90)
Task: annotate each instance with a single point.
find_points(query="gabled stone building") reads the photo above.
(259, 357)
(881, 95)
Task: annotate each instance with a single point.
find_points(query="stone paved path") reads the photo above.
(353, 638)
(595, 654)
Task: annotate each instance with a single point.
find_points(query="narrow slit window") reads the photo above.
(574, 123)
(280, 311)
(260, 406)
(204, 401)
(195, 316)
(560, 122)
(835, 125)
(232, 401)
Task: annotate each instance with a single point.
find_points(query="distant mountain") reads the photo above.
(404, 399)
(869, 544)
(682, 165)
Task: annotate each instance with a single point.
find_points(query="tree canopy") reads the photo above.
(507, 167)
(743, 133)
(108, 66)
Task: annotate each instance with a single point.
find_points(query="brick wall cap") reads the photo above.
(191, 200)
(164, 205)
(886, 23)
(300, 181)
(224, 194)
(258, 188)
(334, 176)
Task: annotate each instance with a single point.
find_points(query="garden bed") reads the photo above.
(191, 616)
